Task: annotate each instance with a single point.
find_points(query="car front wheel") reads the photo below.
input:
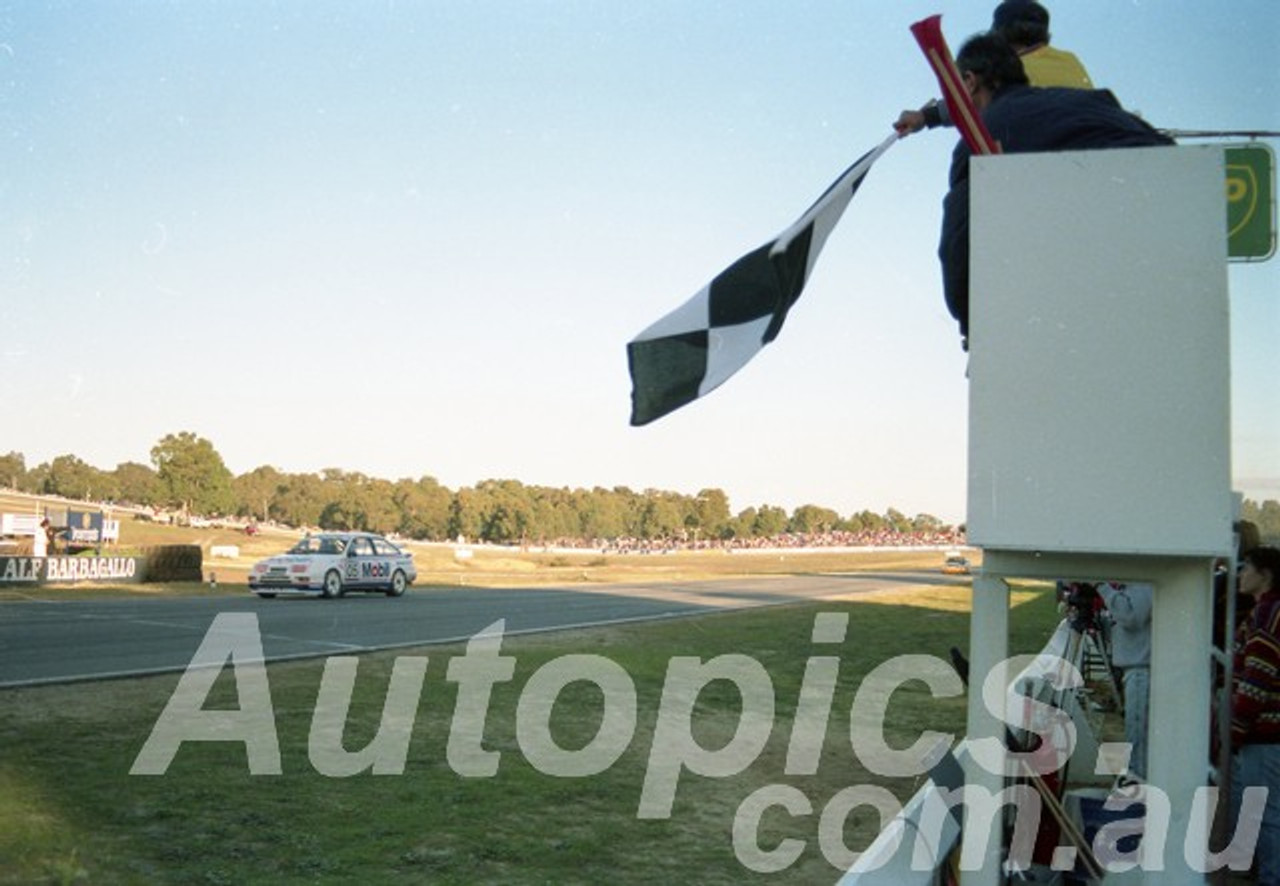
(398, 584)
(332, 584)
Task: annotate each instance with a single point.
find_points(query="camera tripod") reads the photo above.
(1088, 653)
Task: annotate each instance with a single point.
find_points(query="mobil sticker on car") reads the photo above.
(375, 570)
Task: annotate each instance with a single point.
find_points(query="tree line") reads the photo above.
(186, 474)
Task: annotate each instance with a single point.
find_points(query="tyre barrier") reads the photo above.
(172, 563)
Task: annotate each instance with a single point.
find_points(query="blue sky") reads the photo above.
(413, 238)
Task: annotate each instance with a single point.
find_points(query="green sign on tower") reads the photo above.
(1251, 202)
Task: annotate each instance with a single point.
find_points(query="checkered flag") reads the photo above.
(694, 349)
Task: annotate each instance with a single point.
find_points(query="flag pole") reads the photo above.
(841, 187)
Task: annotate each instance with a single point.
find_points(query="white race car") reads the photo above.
(331, 563)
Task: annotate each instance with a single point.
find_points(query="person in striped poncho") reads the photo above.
(1255, 706)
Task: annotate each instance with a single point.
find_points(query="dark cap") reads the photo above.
(1014, 12)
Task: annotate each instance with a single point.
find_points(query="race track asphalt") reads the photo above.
(44, 639)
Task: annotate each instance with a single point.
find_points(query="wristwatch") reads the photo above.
(932, 114)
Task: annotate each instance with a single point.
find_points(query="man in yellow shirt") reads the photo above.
(1025, 26)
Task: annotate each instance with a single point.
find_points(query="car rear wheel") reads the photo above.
(398, 584)
(332, 584)
(267, 596)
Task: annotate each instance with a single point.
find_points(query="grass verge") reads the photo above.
(71, 813)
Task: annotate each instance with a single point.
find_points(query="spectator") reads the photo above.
(1130, 608)
(1025, 25)
(1255, 706)
(1022, 119)
(1248, 538)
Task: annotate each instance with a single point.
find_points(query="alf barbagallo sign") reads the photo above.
(69, 570)
(158, 563)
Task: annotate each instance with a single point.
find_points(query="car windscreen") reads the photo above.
(319, 546)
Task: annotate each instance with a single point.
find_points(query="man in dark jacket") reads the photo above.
(1022, 119)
